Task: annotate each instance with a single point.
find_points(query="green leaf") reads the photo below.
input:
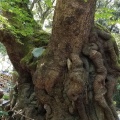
(38, 52)
(48, 3)
(4, 21)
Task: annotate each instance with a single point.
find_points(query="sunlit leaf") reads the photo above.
(48, 3)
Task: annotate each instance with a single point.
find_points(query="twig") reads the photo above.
(23, 115)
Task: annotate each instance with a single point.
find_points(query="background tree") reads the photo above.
(76, 74)
(43, 10)
(108, 14)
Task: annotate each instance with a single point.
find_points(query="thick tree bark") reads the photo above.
(76, 75)
(74, 79)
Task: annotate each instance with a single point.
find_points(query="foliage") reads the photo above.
(6, 97)
(43, 12)
(4, 21)
(48, 3)
(17, 18)
(41, 38)
(117, 95)
(108, 14)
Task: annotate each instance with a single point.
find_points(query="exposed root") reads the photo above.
(48, 110)
(81, 108)
(49, 74)
(76, 77)
(110, 85)
(92, 51)
(77, 85)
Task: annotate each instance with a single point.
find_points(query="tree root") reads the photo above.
(91, 50)
(77, 84)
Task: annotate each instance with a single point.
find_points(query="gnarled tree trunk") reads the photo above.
(75, 79)
(76, 75)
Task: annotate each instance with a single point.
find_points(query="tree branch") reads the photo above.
(32, 5)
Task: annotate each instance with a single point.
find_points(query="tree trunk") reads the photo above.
(76, 75)
(74, 80)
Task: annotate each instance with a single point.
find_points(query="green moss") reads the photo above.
(45, 53)
(6, 97)
(37, 40)
(27, 59)
(97, 25)
(41, 39)
(33, 65)
(14, 73)
(28, 44)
